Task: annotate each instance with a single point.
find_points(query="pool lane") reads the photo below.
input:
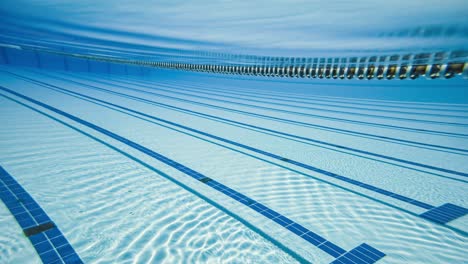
(294, 122)
(371, 254)
(322, 117)
(440, 214)
(174, 216)
(218, 90)
(45, 236)
(225, 94)
(276, 90)
(341, 147)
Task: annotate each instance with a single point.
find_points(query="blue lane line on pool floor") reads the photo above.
(364, 123)
(402, 198)
(340, 147)
(337, 130)
(273, 94)
(281, 120)
(447, 216)
(287, 250)
(218, 90)
(168, 88)
(360, 254)
(445, 213)
(289, 224)
(45, 236)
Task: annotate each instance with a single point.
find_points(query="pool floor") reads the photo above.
(183, 167)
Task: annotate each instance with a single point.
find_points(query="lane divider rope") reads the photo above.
(398, 66)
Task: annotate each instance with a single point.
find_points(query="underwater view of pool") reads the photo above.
(230, 132)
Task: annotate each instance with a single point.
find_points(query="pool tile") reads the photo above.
(37, 238)
(331, 249)
(72, 259)
(65, 250)
(313, 238)
(297, 229)
(50, 256)
(54, 232)
(59, 241)
(282, 220)
(42, 218)
(43, 247)
(445, 213)
(270, 213)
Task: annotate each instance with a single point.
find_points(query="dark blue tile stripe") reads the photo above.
(332, 249)
(306, 166)
(325, 245)
(260, 115)
(51, 245)
(362, 254)
(445, 213)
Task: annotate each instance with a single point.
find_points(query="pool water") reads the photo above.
(105, 162)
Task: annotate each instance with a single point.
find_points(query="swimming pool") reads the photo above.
(119, 154)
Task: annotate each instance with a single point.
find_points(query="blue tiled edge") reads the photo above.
(289, 224)
(445, 213)
(362, 254)
(48, 241)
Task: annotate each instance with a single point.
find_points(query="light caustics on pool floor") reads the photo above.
(179, 168)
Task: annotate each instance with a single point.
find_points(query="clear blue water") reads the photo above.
(352, 161)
